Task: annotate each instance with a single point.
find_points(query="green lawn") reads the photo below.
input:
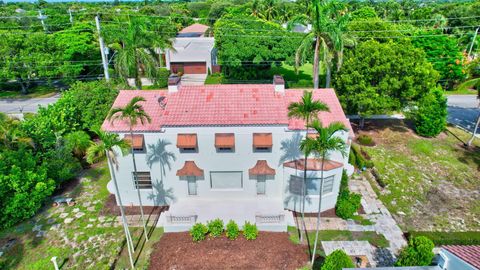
(40, 91)
(331, 235)
(432, 183)
(90, 241)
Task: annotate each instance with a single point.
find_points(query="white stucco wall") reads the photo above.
(195, 49)
(448, 261)
(208, 159)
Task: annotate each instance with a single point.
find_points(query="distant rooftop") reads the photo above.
(194, 30)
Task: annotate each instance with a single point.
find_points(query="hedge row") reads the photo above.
(449, 238)
(359, 157)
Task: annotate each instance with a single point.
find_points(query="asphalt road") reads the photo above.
(16, 106)
(463, 111)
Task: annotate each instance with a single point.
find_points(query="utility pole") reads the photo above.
(71, 17)
(473, 41)
(42, 18)
(102, 50)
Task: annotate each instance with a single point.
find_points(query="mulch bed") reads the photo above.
(111, 208)
(330, 213)
(270, 250)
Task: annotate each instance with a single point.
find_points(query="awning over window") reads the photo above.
(261, 168)
(137, 142)
(225, 140)
(313, 164)
(262, 140)
(190, 169)
(187, 140)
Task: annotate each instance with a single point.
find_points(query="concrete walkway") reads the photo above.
(30, 105)
(193, 79)
(379, 214)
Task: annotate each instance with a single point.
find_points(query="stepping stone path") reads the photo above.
(37, 228)
(68, 220)
(50, 221)
(63, 215)
(79, 214)
(76, 210)
(379, 214)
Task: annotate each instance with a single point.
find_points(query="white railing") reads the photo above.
(190, 219)
(269, 218)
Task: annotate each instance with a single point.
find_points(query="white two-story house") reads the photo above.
(226, 151)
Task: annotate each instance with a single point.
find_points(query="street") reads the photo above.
(16, 106)
(463, 111)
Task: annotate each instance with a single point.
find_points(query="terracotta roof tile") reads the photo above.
(469, 254)
(261, 168)
(313, 164)
(195, 28)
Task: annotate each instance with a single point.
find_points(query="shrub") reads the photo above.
(198, 232)
(232, 230)
(215, 227)
(162, 78)
(417, 253)
(352, 159)
(250, 231)
(449, 238)
(337, 260)
(344, 181)
(378, 178)
(366, 140)
(431, 114)
(360, 159)
(347, 204)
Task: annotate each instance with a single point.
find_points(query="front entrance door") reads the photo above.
(192, 185)
(261, 179)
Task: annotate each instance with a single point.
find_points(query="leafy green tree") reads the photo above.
(247, 49)
(24, 186)
(431, 114)
(337, 260)
(325, 143)
(379, 78)
(106, 147)
(419, 252)
(61, 165)
(134, 113)
(444, 54)
(77, 142)
(307, 109)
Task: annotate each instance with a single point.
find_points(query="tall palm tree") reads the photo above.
(306, 109)
(133, 112)
(135, 49)
(106, 148)
(329, 23)
(325, 143)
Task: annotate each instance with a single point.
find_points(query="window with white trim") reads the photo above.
(312, 185)
(143, 180)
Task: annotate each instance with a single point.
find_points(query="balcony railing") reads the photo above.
(261, 219)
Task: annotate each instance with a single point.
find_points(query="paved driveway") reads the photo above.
(463, 111)
(16, 106)
(193, 79)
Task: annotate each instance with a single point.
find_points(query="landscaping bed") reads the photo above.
(111, 208)
(269, 251)
(431, 184)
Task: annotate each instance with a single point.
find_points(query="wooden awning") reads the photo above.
(190, 169)
(261, 168)
(262, 140)
(187, 140)
(136, 142)
(226, 140)
(313, 164)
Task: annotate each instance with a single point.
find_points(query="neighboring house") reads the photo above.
(233, 154)
(192, 53)
(459, 257)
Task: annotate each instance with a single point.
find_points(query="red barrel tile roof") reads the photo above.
(469, 254)
(237, 104)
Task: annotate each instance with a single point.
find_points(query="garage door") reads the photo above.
(195, 68)
(226, 180)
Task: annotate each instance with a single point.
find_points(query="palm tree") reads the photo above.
(78, 142)
(133, 112)
(135, 49)
(269, 10)
(307, 109)
(158, 153)
(106, 148)
(325, 143)
(328, 34)
(11, 135)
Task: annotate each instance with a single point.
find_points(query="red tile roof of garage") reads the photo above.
(223, 105)
(195, 28)
(469, 254)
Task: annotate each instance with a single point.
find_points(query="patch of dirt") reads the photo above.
(269, 251)
(111, 208)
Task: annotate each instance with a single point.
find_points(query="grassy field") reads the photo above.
(77, 235)
(40, 91)
(432, 183)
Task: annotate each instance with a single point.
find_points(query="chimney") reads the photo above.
(279, 84)
(173, 83)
